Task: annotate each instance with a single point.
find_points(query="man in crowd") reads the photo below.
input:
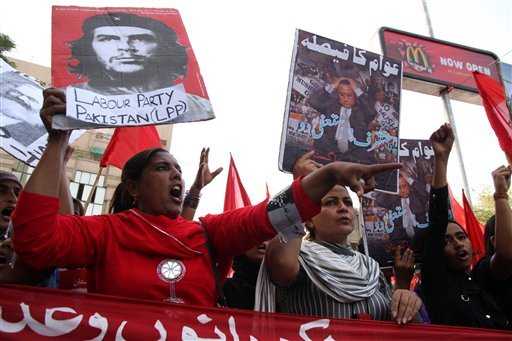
(10, 187)
(241, 288)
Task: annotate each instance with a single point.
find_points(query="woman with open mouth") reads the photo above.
(147, 249)
(453, 292)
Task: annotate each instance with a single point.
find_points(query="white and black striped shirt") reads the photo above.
(303, 297)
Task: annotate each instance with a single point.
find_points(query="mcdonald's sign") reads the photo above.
(430, 65)
(417, 59)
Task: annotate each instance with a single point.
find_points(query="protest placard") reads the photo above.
(392, 220)
(343, 102)
(506, 78)
(125, 67)
(22, 133)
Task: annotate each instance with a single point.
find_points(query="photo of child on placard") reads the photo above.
(400, 220)
(343, 103)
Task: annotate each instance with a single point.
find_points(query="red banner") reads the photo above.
(437, 61)
(35, 313)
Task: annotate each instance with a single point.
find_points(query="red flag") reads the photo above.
(236, 196)
(128, 141)
(475, 231)
(457, 210)
(493, 98)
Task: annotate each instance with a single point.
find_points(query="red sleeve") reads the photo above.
(42, 238)
(234, 232)
(307, 208)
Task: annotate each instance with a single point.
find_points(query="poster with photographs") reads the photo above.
(22, 133)
(506, 77)
(344, 103)
(125, 67)
(392, 220)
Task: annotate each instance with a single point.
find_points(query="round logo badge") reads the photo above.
(171, 270)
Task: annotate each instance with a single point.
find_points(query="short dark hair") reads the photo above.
(132, 170)
(170, 56)
(458, 224)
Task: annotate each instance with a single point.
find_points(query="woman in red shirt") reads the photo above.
(148, 250)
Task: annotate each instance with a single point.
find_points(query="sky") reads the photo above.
(244, 51)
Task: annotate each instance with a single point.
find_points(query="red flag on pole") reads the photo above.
(457, 210)
(128, 141)
(236, 196)
(475, 231)
(493, 98)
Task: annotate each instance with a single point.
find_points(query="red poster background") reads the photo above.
(67, 27)
(136, 320)
(394, 44)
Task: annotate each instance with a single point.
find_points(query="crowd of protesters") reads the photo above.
(290, 253)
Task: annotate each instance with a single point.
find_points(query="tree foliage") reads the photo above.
(6, 44)
(484, 208)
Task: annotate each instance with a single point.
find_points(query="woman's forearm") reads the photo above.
(46, 177)
(65, 197)
(440, 173)
(504, 230)
(317, 184)
(283, 260)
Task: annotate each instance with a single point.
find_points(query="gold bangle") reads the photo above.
(500, 196)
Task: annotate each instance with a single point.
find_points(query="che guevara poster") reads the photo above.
(125, 67)
(344, 103)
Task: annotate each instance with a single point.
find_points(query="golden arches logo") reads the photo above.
(417, 58)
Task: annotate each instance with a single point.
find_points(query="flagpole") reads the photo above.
(95, 184)
(449, 112)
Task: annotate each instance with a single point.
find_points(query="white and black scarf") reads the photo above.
(347, 276)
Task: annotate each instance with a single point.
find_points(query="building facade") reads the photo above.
(83, 166)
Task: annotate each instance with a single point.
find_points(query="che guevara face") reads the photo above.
(124, 49)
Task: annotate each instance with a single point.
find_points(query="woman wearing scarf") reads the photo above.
(322, 275)
(147, 250)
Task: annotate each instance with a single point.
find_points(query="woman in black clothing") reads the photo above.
(240, 289)
(453, 293)
(496, 267)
